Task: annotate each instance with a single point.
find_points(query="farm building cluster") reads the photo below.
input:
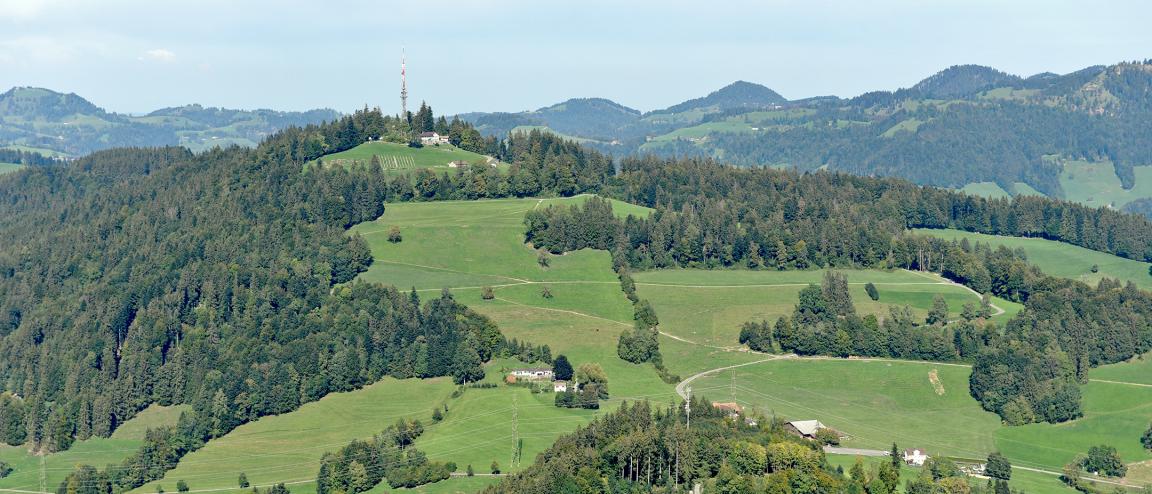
(535, 374)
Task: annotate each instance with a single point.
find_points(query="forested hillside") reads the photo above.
(219, 280)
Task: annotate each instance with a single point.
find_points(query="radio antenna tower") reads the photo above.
(403, 85)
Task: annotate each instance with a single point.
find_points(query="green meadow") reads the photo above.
(990, 190)
(1095, 183)
(1137, 370)
(287, 448)
(9, 167)
(708, 307)
(399, 157)
(460, 246)
(880, 402)
(1061, 259)
(44, 473)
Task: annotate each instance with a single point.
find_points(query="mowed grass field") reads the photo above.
(399, 157)
(9, 167)
(464, 246)
(1061, 259)
(708, 307)
(29, 471)
(287, 448)
(990, 190)
(1095, 183)
(881, 402)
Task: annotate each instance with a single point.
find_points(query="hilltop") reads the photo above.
(51, 123)
(739, 94)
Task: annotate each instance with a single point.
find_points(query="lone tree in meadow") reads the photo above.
(394, 235)
(1146, 439)
(486, 293)
(872, 292)
(543, 258)
(243, 481)
(495, 467)
(545, 291)
(181, 486)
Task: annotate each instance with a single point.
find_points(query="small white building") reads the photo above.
(535, 373)
(560, 386)
(915, 457)
(431, 138)
(458, 164)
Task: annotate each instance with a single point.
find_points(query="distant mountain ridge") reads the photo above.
(962, 125)
(52, 122)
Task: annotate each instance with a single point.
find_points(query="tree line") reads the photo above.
(361, 465)
(643, 448)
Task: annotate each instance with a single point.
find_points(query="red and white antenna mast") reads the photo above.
(403, 85)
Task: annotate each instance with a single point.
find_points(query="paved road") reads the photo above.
(854, 451)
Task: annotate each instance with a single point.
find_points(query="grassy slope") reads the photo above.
(582, 320)
(9, 167)
(709, 306)
(1023, 189)
(1096, 183)
(407, 157)
(986, 189)
(96, 451)
(287, 448)
(463, 245)
(1061, 259)
(1114, 414)
(878, 403)
(1137, 370)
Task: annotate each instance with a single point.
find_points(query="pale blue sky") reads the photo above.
(489, 55)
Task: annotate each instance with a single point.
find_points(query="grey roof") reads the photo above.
(807, 427)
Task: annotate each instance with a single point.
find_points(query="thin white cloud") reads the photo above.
(158, 55)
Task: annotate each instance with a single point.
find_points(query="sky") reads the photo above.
(133, 56)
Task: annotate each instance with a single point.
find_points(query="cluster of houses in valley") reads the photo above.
(538, 374)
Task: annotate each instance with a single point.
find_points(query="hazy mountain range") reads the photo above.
(965, 126)
(56, 123)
